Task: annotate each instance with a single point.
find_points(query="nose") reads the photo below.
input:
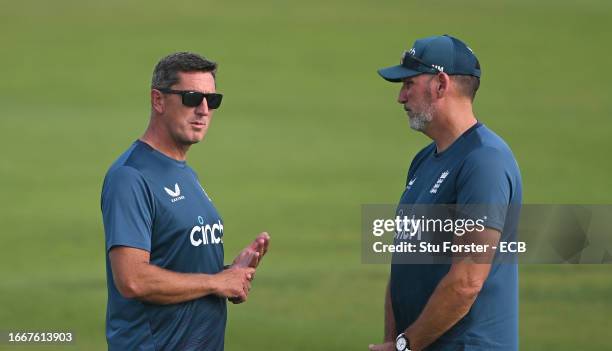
(202, 109)
(402, 96)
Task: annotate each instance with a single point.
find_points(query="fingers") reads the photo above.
(263, 240)
(251, 255)
(253, 259)
(250, 271)
(235, 283)
(257, 257)
(261, 243)
(235, 300)
(254, 244)
(243, 294)
(247, 288)
(246, 282)
(261, 247)
(245, 258)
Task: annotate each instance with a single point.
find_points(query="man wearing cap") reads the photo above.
(167, 285)
(458, 305)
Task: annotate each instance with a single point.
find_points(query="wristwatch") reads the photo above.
(402, 343)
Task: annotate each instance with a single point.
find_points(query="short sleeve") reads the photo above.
(127, 209)
(484, 186)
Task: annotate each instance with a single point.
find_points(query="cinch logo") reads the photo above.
(441, 68)
(206, 234)
(434, 189)
(176, 194)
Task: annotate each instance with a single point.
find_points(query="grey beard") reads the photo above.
(419, 121)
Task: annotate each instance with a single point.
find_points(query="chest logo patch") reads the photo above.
(202, 234)
(176, 194)
(436, 186)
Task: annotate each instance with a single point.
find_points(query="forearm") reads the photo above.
(446, 306)
(456, 292)
(390, 329)
(161, 286)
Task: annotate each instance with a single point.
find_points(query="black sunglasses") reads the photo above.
(194, 98)
(412, 62)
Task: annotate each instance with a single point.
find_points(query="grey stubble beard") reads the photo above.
(420, 120)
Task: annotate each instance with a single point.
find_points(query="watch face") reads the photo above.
(400, 344)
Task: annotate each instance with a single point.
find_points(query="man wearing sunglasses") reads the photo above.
(167, 284)
(458, 304)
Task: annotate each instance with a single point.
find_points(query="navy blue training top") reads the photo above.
(478, 168)
(155, 203)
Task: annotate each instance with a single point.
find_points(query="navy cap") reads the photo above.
(435, 54)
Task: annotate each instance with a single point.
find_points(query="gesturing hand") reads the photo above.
(252, 255)
(234, 283)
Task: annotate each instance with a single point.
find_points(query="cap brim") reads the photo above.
(397, 73)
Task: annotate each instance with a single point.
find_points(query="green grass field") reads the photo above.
(308, 132)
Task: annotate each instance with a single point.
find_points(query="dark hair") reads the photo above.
(166, 71)
(468, 85)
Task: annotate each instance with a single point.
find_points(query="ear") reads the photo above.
(157, 101)
(443, 84)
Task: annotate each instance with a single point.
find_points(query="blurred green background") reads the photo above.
(308, 132)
